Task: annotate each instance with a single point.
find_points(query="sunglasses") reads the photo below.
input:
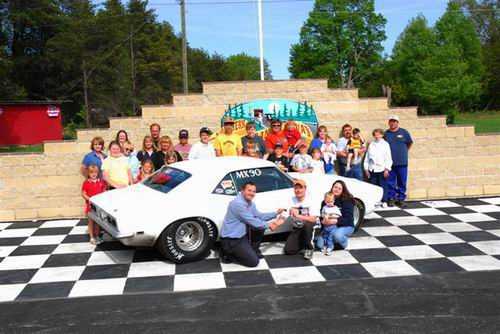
(276, 125)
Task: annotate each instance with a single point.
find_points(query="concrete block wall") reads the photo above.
(445, 161)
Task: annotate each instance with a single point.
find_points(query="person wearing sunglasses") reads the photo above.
(133, 163)
(276, 135)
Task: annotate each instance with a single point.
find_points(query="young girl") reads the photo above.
(148, 149)
(133, 162)
(293, 136)
(121, 138)
(115, 168)
(171, 157)
(329, 153)
(317, 163)
(147, 169)
(353, 146)
(90, 187)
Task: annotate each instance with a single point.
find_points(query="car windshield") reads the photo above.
(166, 179)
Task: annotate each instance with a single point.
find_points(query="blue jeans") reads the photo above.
(378, 179)
(340, 236)
(396, 183)
(355, 172)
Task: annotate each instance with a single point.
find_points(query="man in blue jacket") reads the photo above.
(242, 215)
(400, 142)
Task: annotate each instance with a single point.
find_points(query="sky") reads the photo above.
(228, 27)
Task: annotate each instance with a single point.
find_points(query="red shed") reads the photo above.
(30, 122)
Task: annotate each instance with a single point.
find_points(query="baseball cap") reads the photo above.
(205, 130)
(228, 120)
(299, 182)
(183, 133)
(394, 117)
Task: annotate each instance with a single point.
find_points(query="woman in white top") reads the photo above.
(378, 161)
(202, 149)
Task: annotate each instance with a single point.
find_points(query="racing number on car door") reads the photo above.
(274, 189)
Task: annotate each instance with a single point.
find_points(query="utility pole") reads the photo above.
(261, 40)
(132, 62)
(184, 46)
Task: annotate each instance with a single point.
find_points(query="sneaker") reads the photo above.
(324, 250)
(93, 241)
(329, 252)
(308, 254)
(259, 254)
(401, 204)
(390, 203)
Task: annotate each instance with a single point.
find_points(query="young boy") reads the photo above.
(353, 146)
(92, 186)
(203, 149)
(378, 161)
(302, 162)
(329, 213)
(317, 164)
(279, 158)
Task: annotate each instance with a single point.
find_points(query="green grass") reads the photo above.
(487, 121)
(22, 149)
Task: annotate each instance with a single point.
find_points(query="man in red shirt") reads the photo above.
(275, 136)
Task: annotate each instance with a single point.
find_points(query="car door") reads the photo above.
(274, 189)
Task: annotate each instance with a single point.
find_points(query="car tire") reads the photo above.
(187, 240)
(359, 213)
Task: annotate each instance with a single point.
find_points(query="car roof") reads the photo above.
(220, 166)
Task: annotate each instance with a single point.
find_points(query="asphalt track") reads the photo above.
(465, 302)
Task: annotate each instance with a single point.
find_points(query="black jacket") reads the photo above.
(158, 159)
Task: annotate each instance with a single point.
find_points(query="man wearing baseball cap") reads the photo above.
(203, 149)
(183, 147)
(400, 142)
(228, 143)
(304, 216)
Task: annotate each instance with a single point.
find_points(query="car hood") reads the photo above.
(128, 202)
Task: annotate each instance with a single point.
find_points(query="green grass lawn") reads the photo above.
(22, 149)
(487, 121)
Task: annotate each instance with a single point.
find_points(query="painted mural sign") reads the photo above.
(261, 112)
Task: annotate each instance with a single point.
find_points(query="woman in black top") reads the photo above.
(345, 223)
(166, 146)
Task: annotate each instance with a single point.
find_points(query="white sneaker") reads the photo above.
(324, 250)
(329, 252)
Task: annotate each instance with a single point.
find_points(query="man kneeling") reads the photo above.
(242, 215)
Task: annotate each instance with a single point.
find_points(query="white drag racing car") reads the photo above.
(181, 207)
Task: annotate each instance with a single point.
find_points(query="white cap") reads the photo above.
(394, 117)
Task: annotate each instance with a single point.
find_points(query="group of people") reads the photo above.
(383, 161)
(313, 225)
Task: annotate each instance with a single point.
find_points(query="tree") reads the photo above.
(340, 40)
(485, 15)
(438, 69)
(415, 45)
(244, 67)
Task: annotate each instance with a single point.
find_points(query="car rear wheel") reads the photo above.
(358, 214)
(187, 240)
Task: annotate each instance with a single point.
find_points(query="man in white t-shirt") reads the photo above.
(304, 217)
(202, 149)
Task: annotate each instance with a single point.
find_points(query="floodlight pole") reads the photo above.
(184, 47)
(261, 40)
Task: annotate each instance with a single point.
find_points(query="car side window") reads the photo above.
(266, 179)
(226, 186)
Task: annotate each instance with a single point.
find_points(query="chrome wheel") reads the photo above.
(355, 215)
(189, 236)
(358, 213)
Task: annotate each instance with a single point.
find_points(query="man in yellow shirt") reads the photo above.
(228, 143)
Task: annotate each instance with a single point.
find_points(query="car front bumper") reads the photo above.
(129, 239)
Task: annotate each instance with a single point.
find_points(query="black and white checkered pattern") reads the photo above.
(54, 259)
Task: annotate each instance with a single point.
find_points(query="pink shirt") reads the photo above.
(183, 150)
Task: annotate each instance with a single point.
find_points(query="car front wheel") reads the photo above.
(358, 214)
(187, 240)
